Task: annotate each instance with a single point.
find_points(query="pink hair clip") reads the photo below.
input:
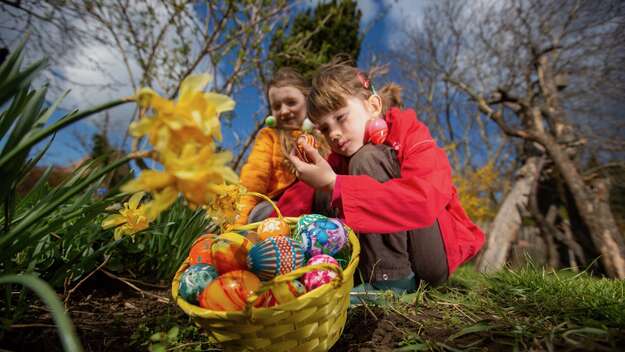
(364, 81)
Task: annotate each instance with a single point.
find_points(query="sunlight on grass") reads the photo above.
(528, 308)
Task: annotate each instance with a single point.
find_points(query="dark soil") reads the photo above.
(370, 329)
(111, 316)
(106, 317)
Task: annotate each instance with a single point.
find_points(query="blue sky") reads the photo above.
(383, 18)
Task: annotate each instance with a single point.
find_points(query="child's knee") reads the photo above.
(378, 161)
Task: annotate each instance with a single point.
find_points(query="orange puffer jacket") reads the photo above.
(266, 171)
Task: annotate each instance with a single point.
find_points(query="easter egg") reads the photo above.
(282, 293)
(376, 131)
(302, 140)
(323, 236)
(194, 280)
(316, 278)
(229, 252)
(273, 227)
(229, 291)
(304, 221)
(275, 256)
(201, 250)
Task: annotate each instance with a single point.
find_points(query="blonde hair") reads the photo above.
(337, 80)
(288, 77)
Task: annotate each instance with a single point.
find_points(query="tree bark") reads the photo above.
(507, 222)
(593, 209)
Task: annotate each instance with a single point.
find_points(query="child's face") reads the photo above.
(288, 105)
(344, 129)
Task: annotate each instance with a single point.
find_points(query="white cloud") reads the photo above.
(94, 71)
(402, 15)
(369, 9)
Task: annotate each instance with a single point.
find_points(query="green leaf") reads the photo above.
(414, 347)
(478, 327)
(67, 333)
(157, 337)
(172, 334)
(157, 348)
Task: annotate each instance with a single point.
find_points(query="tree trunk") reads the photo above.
(593, 209)
(508, 219)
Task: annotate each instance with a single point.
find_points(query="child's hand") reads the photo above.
(317, 172)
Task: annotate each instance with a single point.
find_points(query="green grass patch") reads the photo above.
(525, 309)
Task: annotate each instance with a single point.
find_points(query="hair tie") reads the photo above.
(366, 83)
(363, 80)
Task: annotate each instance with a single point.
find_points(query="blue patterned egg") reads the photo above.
(194, 280)
(304, 221)
(323, 236)
(275, 256)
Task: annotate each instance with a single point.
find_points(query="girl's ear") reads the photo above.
(375, 104)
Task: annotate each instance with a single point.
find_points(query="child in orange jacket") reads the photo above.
(268, 170)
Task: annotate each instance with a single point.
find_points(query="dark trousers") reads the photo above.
(395, 256)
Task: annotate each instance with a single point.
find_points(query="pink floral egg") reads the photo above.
(316, 278)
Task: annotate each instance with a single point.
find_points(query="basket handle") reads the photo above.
(293, 275)
(260, 195)
(252, 226)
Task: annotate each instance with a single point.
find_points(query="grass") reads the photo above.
(525, 309)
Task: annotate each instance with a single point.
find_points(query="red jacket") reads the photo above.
(423, 194)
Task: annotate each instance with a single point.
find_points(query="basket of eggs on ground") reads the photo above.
(281, 284)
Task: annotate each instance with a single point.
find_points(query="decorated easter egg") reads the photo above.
(323, 236)
(314, 279)
(376, 131)
(275, 256)
(229, 291)
(282, 293)
(304, 221)
(273, 227)
(194, 280)
(302, 140)
(229, 252)
(201, 250)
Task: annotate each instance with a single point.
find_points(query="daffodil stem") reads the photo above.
(54, 127)
(35, 216)
(66, 330)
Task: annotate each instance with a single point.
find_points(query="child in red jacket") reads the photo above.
(397, 194)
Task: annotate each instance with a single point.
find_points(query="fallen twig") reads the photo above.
(142, 292)
(69, 293)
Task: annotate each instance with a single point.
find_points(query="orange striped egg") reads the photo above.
(303, 139)
(229, 291)
(200, 252)
(229, 252)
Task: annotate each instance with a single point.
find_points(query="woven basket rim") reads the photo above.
(196, 311)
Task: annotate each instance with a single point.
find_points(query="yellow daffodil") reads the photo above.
(225, 206)
(193, 118)
(131, 219)
(193, 173)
